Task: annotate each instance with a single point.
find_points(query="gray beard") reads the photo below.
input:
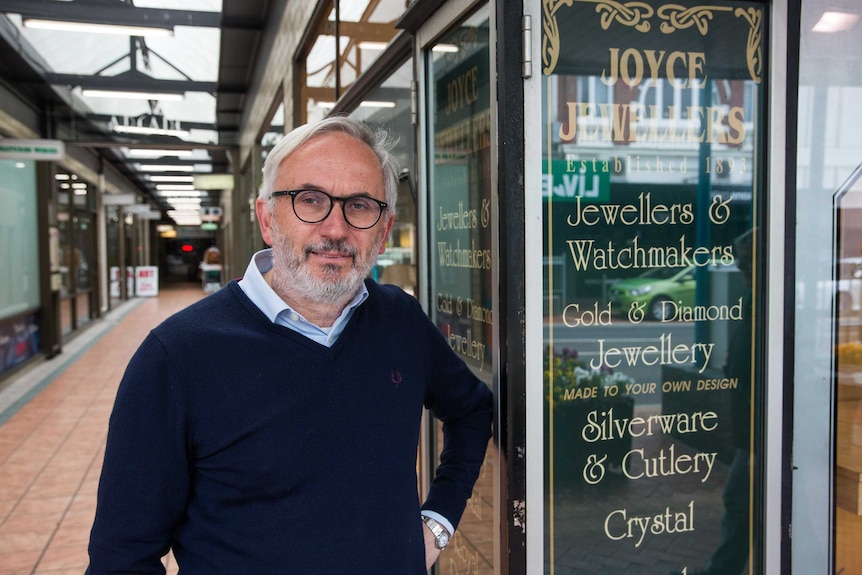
(291, 275)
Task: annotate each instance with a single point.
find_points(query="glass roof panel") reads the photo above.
(191, 53)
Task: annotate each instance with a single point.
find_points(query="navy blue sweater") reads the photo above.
(249, 448)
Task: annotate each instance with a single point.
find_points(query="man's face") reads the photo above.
(326, 261)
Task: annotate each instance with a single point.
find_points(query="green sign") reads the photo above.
(11, 149)
(589, 180)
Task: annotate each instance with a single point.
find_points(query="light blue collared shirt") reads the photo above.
(262, 295)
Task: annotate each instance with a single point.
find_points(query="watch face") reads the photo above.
(442, 540)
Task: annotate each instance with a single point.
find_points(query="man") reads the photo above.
(272, 427)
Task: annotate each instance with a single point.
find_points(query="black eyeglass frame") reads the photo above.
(332, 200)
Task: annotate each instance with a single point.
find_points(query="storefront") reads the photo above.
(57, 234)
(603, 215)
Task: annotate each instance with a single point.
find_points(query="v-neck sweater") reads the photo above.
(249, 448)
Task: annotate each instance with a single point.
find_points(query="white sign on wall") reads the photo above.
(147, 281)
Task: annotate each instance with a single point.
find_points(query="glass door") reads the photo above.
(459, 210)
(828, 367)
(647, 387)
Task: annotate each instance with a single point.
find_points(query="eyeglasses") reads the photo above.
(314, 206)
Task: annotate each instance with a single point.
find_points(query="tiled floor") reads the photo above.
(52, 439)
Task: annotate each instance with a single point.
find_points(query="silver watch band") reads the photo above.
(441, 534)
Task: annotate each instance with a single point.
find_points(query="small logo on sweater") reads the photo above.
(396, 377)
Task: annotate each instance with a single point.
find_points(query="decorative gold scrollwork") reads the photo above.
(633, 14)
(679, 17)
(551, 38)
(754, 47)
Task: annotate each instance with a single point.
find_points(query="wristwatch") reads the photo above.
(441, 534)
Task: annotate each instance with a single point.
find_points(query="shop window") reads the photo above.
(461, 239)
(19, 264)
(388, 107)
(652, 326)
(77, 250)
(18, 245)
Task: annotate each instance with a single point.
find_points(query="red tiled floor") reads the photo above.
(51, 448)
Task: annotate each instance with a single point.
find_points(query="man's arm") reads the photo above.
(465, 407)
(145, 477)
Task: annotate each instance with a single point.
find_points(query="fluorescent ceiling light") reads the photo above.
(166, 168)
(836, 22)
(94, 93)
(164, 228)
(185, 218)
(79, 186)
(61, 176)
(366, 104)
(368, 45)
(147, 131)
(185, 203)
(373, 104)
(445, 48)
(214, 182)
(92, 28)
(154, 153)
(177, 179)
(181, 194)
(176, 187)
(80, 192)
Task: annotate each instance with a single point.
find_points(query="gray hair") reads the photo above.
(378, 141)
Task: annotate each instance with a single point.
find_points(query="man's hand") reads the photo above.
(431, 551)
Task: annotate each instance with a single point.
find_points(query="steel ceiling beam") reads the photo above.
(153, 145)
(109, 13)
(139, 83)
(135, 83)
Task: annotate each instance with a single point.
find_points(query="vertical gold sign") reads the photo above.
(652, 197)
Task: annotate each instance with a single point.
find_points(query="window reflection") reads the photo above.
(460, 210)
(846, 296)
(344, 44)
(388, 107)
(651, 201)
